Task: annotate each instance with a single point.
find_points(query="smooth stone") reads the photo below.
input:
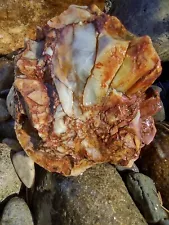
(154, 161)
(98, 196)
(7, 129)
(16, 212)
(6, 74)
(12, 143)
(134, 168)
(10, 101)
(144, 193)
(144, 17)
(19, 19)
(24, 167)
(9, 181)
(4, 114)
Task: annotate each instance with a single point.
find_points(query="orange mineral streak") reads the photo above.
(110, 66)
(140, 69)
(37, 101)
(27, 67)
(116, 29)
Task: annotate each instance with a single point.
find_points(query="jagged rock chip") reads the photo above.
(82, 92)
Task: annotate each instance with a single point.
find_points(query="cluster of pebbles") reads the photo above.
(104, 194)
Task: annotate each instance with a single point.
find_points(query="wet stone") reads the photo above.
(144, 193)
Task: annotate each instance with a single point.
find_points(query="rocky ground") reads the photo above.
(103, 195)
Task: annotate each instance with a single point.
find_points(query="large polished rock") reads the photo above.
(18, 19)
(154, 161)
(145, 17)
(99, 196)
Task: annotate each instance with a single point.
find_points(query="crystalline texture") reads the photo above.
(83, 92)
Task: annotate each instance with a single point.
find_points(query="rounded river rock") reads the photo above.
(16, 212)
(99, 196)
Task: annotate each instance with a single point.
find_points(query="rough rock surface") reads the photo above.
(144, 193)
(16, 212)
(145, 17)
(99, 196)
(9, 181)
(18, 19)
